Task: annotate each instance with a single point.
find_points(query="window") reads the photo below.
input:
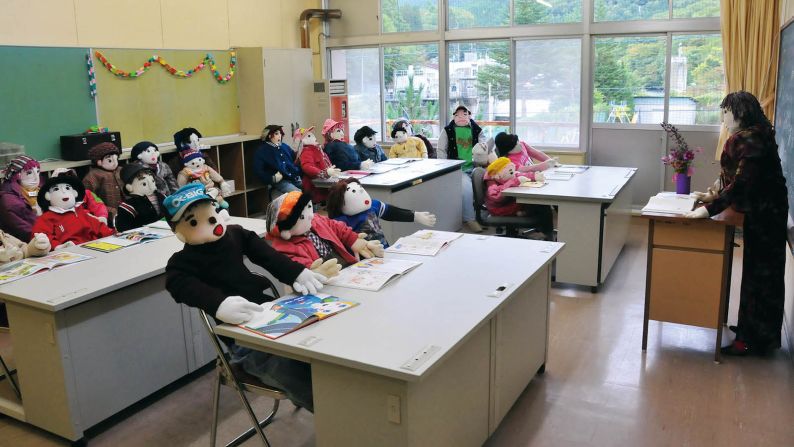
(477, 13)
(479, 78)
(410, 74)
(529, 12)
(697, 79)
(548, 93)
(409, 15)
(361, 68)
(687, 9)
(628, 80)
(621, 10)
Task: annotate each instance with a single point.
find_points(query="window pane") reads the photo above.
(410, 74)
(360, 66)
(628, 81)
(477, 13)
(697, 79)
(621, 10)
(479, 78)
(409, 15)
(527, 12)
(686, 9)
(548, 80)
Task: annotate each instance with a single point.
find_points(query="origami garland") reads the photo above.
(207, 61)
(91, 75)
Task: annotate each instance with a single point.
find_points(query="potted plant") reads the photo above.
(680, 158)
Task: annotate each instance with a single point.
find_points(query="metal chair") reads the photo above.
(512, 224)
(241, 381)
(4, 371)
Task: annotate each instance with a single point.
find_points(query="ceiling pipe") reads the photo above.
(324, 14)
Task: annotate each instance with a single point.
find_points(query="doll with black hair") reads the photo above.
(367, 147)
(274, 161)
(147, 154)
(406, 124)
(342, 154)
(144, 203)
(104, 177)
(405, 145)
(195, 167)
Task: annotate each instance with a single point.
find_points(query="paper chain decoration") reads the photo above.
(208, 60)
(91, 75)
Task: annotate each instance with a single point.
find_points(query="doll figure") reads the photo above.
(91, 202)
(406, 146)
(521, 154)
(144, 203)
(314, 163)
(63, 221)
(19, 192)
(307, 238)
(350, 203)
(341, 154)
(274, 161)
(104, 177)
(12, 249)
(147, 154)
(195, 167)
(367, 147)
(406, 124)
(209, 273)
(500, 175)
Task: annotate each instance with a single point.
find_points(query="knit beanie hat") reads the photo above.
(101, 150)
(284, 211)
(497, 165)
(189, 154)
(505, 143)
(362, 133)
(19, 164)
(139, 148)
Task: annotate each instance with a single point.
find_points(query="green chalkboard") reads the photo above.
(43, 95)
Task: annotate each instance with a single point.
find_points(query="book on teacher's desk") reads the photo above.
(670, 203)
(424, 242)
(291, 313)
(28, 266)
(372, 274)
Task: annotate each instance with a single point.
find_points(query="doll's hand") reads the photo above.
(277, 177)
(226, 188)
(376, 248)
(329, 268)
(705, 197)
(308, 282)
(699, 213)
(366, 165)
(333, 171)
(479, 154)
(8, 254)
(539, 176)
(237, 310)
(66, 244)
(360, 248)
(425, 218)
(523, 179)
(39, 245)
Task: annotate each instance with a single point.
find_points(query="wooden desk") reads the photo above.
(688, 273)
(93, 338)
(593, 216)
(431, 359)
(423, 185)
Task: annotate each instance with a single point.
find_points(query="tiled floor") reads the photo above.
(599, 388)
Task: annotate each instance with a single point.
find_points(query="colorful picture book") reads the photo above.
(291, 313)
(424, 242)
(372, 274)
(28, 266)
(670, 203)
(125, 239)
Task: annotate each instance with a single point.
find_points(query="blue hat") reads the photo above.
(182, 198)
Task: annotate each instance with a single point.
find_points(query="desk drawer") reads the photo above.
(700, 234)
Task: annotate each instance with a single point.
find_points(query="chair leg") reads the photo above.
(251, 415)
(11, 380)
(252, 431)
(216, 397)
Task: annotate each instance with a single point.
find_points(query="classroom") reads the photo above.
(397, 223)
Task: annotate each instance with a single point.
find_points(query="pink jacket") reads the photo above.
(497, 204)
(338, 234)
(523, 159)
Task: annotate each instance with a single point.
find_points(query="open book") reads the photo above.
(291, 313)
(28, 266)
(372, 274)
(356, 174)
(572, 169)
(423, 242)
(670, 203)
(554, 174)
(125, 239)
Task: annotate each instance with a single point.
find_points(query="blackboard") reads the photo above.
(43, 95)
(784, 115)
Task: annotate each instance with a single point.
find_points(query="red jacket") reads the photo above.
(75, 225)
(497, 204)
(338, 234)
(314, 161)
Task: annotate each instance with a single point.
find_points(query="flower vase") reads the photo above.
(683, 184)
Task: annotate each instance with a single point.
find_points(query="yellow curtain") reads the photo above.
(750, 42)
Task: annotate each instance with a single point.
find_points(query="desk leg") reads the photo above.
(648, 265)
(729, 242)
(579, 226)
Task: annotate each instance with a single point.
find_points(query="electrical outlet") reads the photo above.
(393, 408)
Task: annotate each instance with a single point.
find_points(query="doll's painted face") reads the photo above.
(309, 139)
(461, 118)
(303, 224)
(196, 164)
(142, 185)
(109, 162)
(276, 137)
(508, 172)
(200, 224)
(150, 155)
(730, 120)
(401, 136)
(369, 141)
(29, 177)
(338, 133)
(62, 195)
(357, 200)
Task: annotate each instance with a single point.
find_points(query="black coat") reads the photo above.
(137, 211)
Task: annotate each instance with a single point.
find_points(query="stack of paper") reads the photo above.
(424, 242)
(670, 203)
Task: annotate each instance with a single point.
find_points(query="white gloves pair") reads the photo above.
(366, 165)
(363, 248)
(425, 218)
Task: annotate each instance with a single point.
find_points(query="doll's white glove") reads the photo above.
(376, 248)
(226, 188)
(539, 176)
(523, 179)
(224, 214)
(329, 268)
(10, 253)
(479, 154)
(39, 245)
(66, 244)
(333, 171)
(425, 218)
(308, 282)
(705, 197)
(277, 177)
(366, 165)
(699, 213)
(237, 310)
(362, 249)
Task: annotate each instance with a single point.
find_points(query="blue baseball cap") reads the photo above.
(182, 198)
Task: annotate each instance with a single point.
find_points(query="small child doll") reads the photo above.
(63, 221)
(274, 161)
(19, 197)
(306, 237)
(500, 175)
(209, 273)
(406, 146)
(195, 168)
(314, 163)
(522, 154)
(342, 154)
(148, 154)
(104, 177)
(366, 146)
(143, 206)
(350, 203)
(91, 202)
(12, 249)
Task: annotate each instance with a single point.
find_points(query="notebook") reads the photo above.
(424, 242)
(670, 203)
(372, 274)
(291, 313)
(28, 266)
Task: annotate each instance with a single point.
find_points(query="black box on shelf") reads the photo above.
(75, 147)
